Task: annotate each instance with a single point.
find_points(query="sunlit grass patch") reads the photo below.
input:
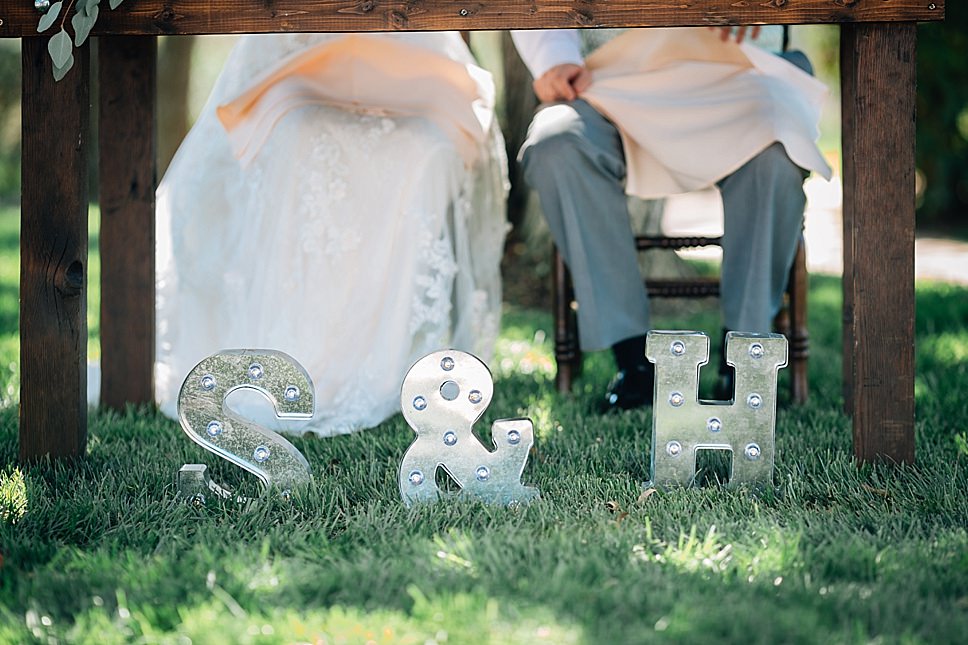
(522, 349)
(459, 618)
(13, 496)
(946, 348)
(690, 553)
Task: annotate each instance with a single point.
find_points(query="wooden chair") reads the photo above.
(791, 321)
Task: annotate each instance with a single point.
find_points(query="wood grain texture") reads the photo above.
(240, 16)
(53, 257)
(127, 74)
(878, 88)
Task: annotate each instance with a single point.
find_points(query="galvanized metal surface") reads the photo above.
(193, 484)
(210, 423)
(442, 396)
(682, 424)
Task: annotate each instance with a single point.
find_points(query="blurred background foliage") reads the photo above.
(9, 120)
(943, 120)
(188, 68)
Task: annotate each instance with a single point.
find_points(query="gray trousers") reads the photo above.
(573, 158)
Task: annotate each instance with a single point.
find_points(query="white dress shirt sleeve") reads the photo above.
(542, 49)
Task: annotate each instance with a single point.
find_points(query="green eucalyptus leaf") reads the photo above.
(60, 48)
(61, 72)
(48, 18)
(116, 3)
(89, 6)
(83, 23)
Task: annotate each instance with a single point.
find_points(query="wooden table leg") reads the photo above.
(53, 256)
(878, 87)
(127, 67)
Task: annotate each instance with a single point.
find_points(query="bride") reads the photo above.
(341, 199)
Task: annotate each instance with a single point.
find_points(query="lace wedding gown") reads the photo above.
(354, 241)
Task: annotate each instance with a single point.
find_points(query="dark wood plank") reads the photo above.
(127, 67)
(878, 77)
(239, 16)
(53, 257)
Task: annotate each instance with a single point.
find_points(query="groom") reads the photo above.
(573, 158)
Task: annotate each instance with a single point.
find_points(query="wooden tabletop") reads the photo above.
(241, 16)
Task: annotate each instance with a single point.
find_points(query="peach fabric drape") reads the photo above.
(371, 76)
(691, 109)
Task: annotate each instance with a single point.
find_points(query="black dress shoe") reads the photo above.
(631, 388)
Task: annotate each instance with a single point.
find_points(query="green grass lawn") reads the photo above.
(103, 552)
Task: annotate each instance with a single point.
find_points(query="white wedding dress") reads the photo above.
(354, 240)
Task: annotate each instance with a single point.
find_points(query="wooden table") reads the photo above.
(878, 40)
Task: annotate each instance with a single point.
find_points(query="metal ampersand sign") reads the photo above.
(683, 425)
(207, 420)
(442, 396)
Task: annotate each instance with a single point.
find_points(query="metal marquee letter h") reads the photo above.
(682, 424)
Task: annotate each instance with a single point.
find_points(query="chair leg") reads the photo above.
(799, 336)
(567, 351)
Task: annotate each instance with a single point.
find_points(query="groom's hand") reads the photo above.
(562, 83)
